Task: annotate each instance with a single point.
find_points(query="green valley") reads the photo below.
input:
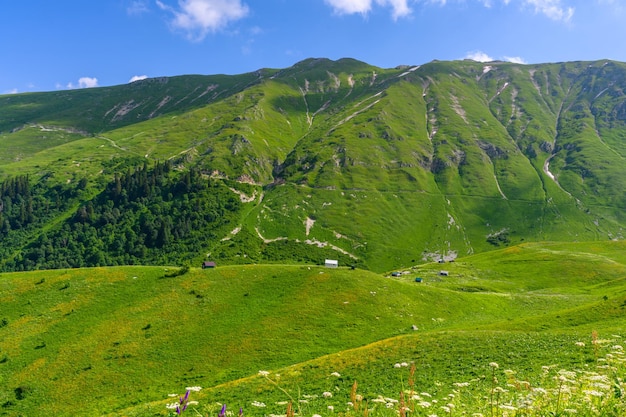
(495, 191)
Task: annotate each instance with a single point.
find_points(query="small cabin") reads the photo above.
(331, 263)
(444, 273)
(396, 274)
(418, 279)
(208, 264)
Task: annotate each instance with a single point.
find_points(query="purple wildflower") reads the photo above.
(183, 403)
(222, 412)
(240, 412)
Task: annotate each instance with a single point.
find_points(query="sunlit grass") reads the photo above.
(595, 388)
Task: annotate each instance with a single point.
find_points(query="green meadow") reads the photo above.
(118, 341)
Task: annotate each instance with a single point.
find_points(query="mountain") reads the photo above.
(379, 168)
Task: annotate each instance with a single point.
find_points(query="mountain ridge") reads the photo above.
(435, 160)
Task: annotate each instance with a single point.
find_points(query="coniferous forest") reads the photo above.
(151, 215)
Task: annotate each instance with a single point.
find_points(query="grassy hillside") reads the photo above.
(103, 340)
(376, 167)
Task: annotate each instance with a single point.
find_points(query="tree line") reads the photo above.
(145, 215)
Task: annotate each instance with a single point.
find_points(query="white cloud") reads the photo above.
(479, 56)
(553, 9)
(400, 8)
(515, 60)
(350, 6)
(137, 78)
(12, 91)
(83, 82)
(199, 17)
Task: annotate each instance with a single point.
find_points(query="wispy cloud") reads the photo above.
(83, 82)
(556, 10)
(137, 78)
(479, 56)
(553, 9)
(12, 91)
(514, 59)
(137, 7)
(400, 8)
(198, 18)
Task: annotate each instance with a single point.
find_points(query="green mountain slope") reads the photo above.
(378, 167)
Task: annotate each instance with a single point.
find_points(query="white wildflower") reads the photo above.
(507, 407)
(424, 404)
(397, 365)
(331, 408)
(264, 373)
(172, 406)
(593, 393)
(337, 374)
(567, 374)
(389, 405)
(258, 404)
(494, 365)
(327, 394)
(601, 386)
(598, 378)
(195, 389)
(581, 344)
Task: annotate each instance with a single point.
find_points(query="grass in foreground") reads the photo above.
(589, 389)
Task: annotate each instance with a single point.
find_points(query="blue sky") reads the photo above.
(49, 45)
